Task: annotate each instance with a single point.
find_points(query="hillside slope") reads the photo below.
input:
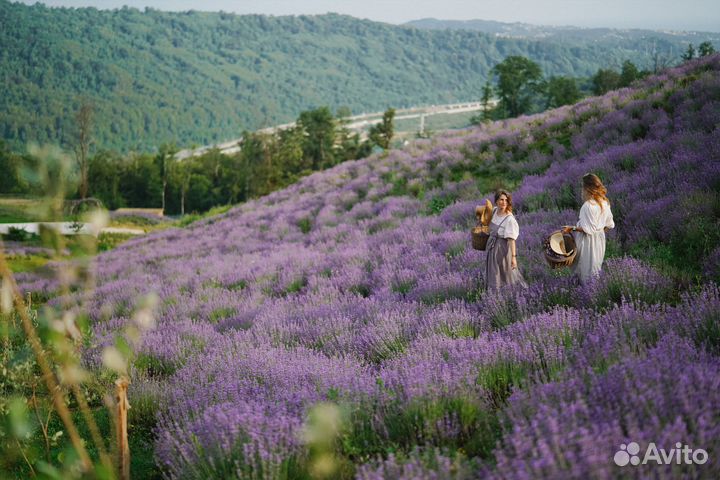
(201, 78)
(358, 286)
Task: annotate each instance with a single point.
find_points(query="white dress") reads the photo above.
(591, 244)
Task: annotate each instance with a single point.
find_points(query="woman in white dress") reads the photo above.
(501, 265)
(589, 232)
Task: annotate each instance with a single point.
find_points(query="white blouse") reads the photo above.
(509, 228)
(593, 219)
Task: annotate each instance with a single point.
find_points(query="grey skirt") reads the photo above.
(498, 269)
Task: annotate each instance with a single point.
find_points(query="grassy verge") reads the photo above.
(142, 464)
(188, 219)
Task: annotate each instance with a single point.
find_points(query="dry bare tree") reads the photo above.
(83, 138)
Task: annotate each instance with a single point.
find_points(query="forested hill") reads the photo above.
(199, 78)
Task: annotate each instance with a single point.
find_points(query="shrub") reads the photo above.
(627, 280)
(454, 423)
(17, 234)
(420, 463)
(154, 366)
(437, 204)
(144, 396)
(108, 241)
(305, 225)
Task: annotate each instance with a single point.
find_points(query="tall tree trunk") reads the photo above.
(83, 119)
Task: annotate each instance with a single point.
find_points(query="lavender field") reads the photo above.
(357, 287)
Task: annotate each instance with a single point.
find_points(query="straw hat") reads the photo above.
(560, 249)
(484, 213)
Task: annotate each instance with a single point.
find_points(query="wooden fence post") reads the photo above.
(122, 431)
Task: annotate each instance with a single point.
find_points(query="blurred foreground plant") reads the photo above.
(321, 432)
(43, 377)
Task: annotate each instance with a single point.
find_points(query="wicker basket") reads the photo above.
(481, 232)
(560, 249)
(480, 235)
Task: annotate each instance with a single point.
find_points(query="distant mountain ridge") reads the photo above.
(202, 78)
(532, 31)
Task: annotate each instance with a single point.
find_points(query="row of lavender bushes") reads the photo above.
(358, 286)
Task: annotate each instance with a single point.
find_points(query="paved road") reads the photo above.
(68, 228)
(355, 122)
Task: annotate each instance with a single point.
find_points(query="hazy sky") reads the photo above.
(655, 14)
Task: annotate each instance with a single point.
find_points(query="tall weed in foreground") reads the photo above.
(49, 401)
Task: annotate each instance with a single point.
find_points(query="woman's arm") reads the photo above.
(513, 252)
(568, 229)
(590, 221)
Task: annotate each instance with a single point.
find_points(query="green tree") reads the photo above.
(268, 171)
(518, 82)
(198, 193)
(382, 133)
(319, 127)
(351, 147)
(178, 186)
(487, 92)
(210, 165)
(141, 184)
(11, 180)
(254, 149)
(83, 139)
(348, 144)
(104, 177)
(165, 154)
(291, 159)
(689, 53)
(629, 73)
(561, 91)
(487, 110)
(605, 80)
(705, 48)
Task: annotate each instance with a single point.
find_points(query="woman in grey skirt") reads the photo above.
(501, 266)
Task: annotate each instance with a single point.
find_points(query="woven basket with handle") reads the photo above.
(481, 232)
(480, 235)
(560, 249)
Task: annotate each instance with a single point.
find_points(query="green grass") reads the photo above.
(417, 423)
(16, 211)
(296, 285)
(108, 241)
(142, 463)
(305, 225)
(221, 313)
(500, 378)
(26, 210)
(439, 203)
(191, 218)
(12, 217)
(26, 263)
(154, 366)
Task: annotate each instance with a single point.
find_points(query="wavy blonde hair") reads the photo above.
(594, 188)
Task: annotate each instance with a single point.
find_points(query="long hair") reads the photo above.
(508, 196)
(595, 189)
